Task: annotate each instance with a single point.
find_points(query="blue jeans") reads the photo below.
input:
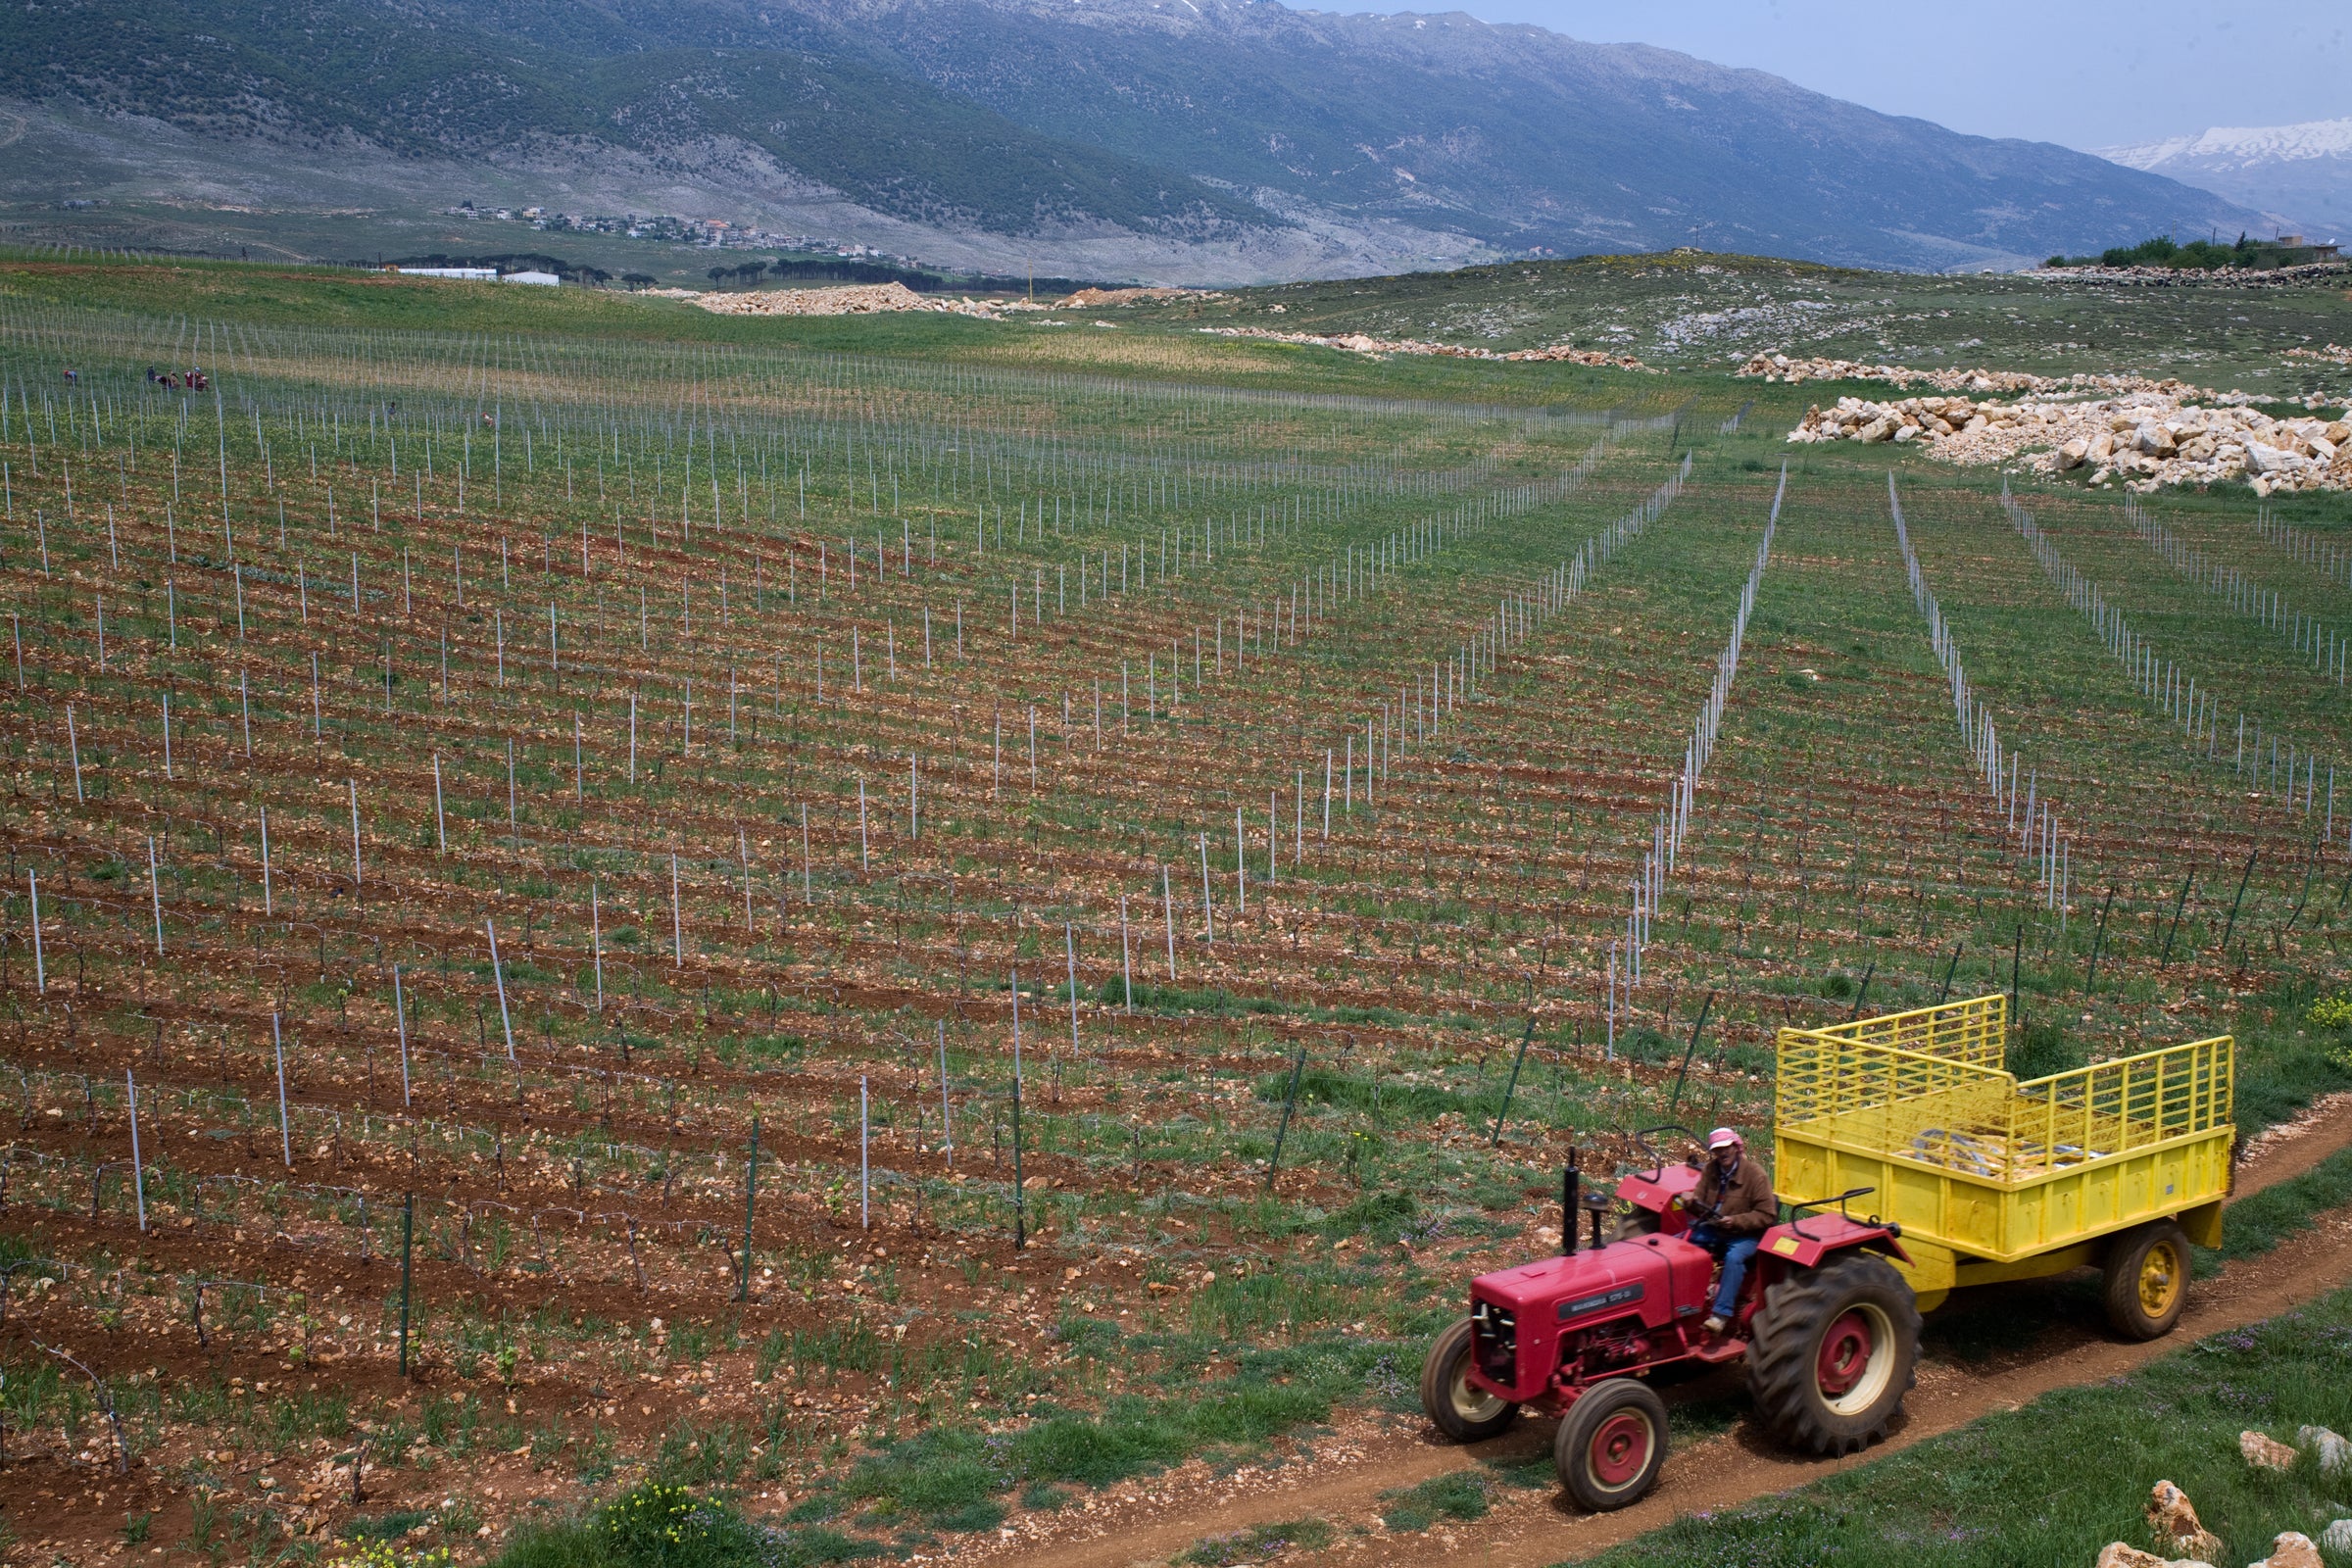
(1734, 1251)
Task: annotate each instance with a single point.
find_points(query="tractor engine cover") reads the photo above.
(1520, 1318)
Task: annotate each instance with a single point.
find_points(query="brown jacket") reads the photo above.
(1744, 1205)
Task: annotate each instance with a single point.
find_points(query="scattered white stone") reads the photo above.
(2292, 1549)
(858, 298)
(2174, 1524)
(2265, 1452)
(2119, 1556)
(2334, 1454)
(1359, 343)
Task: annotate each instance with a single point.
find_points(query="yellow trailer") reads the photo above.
(2118, 1165)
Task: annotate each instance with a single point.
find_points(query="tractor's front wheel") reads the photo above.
(1463, 1411)
(1836, 1350)
(1611, 1445)
(2146, 1280)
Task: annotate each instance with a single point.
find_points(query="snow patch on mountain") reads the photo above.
(2241, 145)
(2298, 176)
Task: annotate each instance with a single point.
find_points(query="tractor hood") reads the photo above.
(1639, 1277)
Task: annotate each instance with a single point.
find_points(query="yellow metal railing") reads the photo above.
(1979, 1121)
(1974, 1031)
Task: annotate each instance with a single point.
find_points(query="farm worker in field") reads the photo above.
(1733, 1207)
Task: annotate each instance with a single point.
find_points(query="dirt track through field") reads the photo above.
(1531, 1529)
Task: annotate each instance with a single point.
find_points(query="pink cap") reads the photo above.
(1725, 1138)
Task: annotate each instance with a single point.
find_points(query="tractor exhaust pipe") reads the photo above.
(1571, 1184)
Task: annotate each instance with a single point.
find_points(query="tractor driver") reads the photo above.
(1730, 1209)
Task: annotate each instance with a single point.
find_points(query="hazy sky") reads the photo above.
(2083, 76)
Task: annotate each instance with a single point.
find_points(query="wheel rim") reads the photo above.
(2160, 1279)
(1620, 1450)
(1857, 1359)
(1473, 1405)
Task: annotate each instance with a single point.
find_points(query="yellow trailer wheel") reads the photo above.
(2147, 1273)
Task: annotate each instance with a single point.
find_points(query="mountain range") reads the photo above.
(1176, 140)
(2299, 177)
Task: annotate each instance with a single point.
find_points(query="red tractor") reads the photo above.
(1829, 1329)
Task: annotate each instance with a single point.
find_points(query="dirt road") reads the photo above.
(1147, 1522)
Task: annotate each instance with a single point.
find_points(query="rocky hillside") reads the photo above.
(1181, 139)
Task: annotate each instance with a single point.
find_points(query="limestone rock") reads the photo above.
(2292, 1549)
(2120, 1555)
(2073, 454)
(2265, 1452)
(2264, 459)
(2337, 1537)
(2175, 1526)
(2334, 1453)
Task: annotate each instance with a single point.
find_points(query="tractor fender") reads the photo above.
(1804, 1243)
(1656, 1190)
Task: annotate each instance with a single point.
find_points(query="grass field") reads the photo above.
(2011, 1489)
(1003, 905)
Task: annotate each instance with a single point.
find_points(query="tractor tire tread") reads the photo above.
(1576, 1430)
(1445, 1352)
(1787, 1330)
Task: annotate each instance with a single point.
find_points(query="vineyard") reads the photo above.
(967, 930)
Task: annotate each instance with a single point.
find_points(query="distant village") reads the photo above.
(798, 258)
(716, 233)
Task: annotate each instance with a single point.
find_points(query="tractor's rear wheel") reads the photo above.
(1461, 1409)
(1610, 1446)
(2146, 1282)
(1636, 1224)
(1836, 1350)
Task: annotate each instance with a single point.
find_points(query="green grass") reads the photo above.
(952, 1478)
(1456, 1495)
(1259, 1544)
(2014, 1489)
(2262, 1221)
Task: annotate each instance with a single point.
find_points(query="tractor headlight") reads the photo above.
(1495, 1341)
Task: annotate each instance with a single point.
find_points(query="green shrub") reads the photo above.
(2331, 1012)
(661, 1525)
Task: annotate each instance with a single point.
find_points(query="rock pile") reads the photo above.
(858, 298)
(1358, 343)
(2186, 277)
(2332, 354)
(2146, 439)
(1090, 298)
(1781, 368)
